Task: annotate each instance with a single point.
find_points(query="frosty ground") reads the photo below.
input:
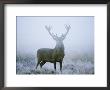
(76, 63)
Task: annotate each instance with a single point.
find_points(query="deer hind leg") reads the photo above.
(37, 64)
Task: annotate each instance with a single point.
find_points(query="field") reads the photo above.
(73, 63)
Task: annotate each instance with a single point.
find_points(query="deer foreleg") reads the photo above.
(61, 66)
(55, 66)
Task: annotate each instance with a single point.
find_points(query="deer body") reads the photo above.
(52, 55)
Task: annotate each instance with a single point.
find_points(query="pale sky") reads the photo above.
(32, 35)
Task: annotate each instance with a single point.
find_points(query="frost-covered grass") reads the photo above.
(72, 64)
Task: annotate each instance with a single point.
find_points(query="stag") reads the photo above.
(53, 55)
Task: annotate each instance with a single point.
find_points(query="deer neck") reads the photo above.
(59, 46)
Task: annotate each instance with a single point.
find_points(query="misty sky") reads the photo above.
(32, 35)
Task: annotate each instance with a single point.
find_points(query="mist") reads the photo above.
(31, 35)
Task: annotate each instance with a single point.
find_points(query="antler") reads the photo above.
(48, 29)
(67, 28)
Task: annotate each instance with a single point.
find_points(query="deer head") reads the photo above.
(58, 39)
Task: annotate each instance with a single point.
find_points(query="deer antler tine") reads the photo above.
(48, 27)
(52, 34)
(67, 27)
(64, 35)
(45, 26)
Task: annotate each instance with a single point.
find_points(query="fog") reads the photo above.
(32, 35)
(79, 44)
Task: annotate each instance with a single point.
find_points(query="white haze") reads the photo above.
(79, 44)
(32, 35)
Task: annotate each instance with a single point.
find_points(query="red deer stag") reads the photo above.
(53, 55)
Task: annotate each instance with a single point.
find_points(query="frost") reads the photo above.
(72, 64)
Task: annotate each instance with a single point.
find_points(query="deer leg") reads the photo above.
(55, 66)
(37, 64)
(42, 63)
(61, 66)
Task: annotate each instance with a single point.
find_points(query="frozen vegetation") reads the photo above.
(76, 33)
(73, 63)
